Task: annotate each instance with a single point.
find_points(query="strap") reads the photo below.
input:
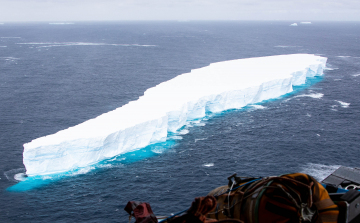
(324, 204)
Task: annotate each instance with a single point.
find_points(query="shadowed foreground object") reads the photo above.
(292, 198)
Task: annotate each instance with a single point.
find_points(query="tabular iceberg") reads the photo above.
(167, 107)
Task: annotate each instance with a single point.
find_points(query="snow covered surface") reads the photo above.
(167, 107)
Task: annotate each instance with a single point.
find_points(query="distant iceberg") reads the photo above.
(305, 23)
(294, 24)
(167, 107)
(61, 23)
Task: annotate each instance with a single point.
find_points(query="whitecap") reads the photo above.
(319, 171)
(343, 104)
(15, 174)
(183, 132)
(158, 150)
(84, 170)
(46, 178)
(9, 37)
(328, 68)
(197, 124)
(208, 164)
(313, 95)
(20, 176)
(294, 24)
(258, 106)
(356, 75)
(175, 137)
(3, 46)
(200, 139)
(344, 56)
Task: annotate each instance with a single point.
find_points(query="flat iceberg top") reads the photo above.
(167, 107)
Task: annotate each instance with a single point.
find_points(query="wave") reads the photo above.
(319, 171)
(343, 104)
(58, 44)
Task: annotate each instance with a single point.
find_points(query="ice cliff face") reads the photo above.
(167, 107)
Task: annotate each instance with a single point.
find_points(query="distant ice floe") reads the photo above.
(294, 24)
(3, 46)
(319, 171)
(343, 104)
(305, 23)
(344, 56)
(283, 46)
(61, 23)
(208, 164)
(9, 37)
(168, 108)
(356, 75)
(58, 44)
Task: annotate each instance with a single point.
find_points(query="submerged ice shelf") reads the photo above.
(167, 107)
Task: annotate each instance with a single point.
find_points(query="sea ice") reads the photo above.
(167, 107)
(294, 24)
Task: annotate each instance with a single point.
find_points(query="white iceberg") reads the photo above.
(294, 24)
(167, 107)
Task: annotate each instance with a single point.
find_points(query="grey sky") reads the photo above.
(102, 10)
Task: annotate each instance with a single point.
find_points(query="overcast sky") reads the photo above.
(103, 10)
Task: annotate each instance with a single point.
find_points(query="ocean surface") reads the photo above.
(54, 76)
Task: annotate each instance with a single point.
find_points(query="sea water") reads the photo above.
(54, 76)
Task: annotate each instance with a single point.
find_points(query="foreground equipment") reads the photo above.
(297, 198)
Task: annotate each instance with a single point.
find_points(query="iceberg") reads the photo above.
(294, 24)
(167, 107)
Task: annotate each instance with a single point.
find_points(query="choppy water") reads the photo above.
(55, 76)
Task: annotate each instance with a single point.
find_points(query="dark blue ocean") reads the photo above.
(54, 76)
